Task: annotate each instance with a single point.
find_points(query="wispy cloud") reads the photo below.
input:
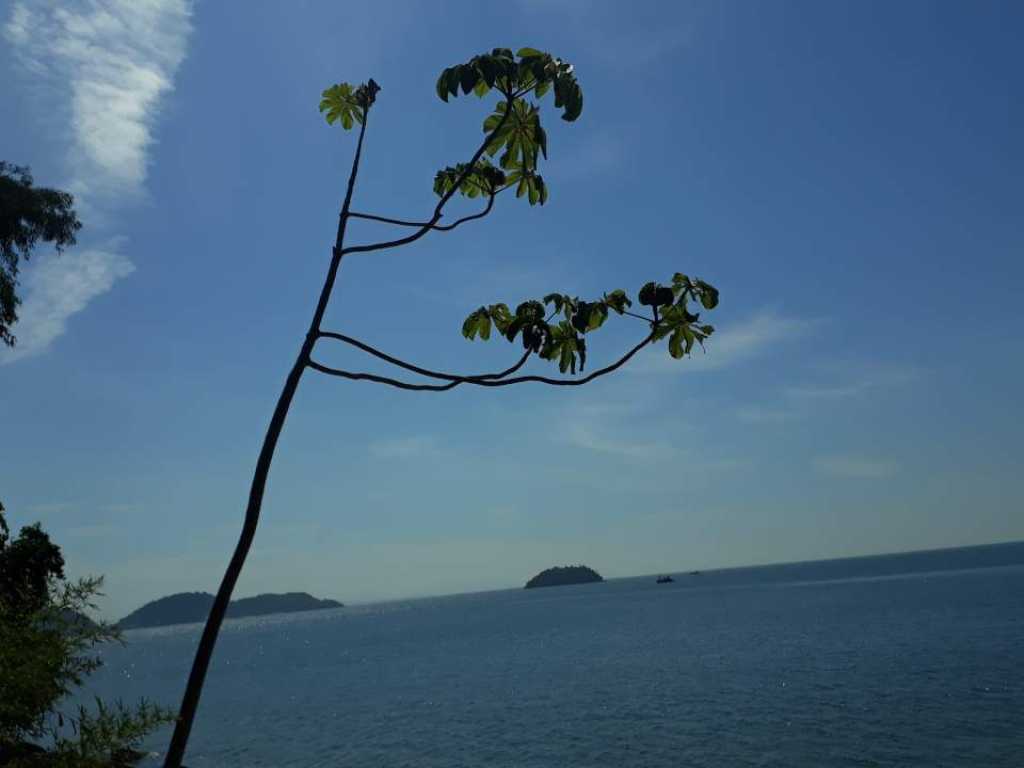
(404, 447)
(110, 62)
(730, 345)
(857, 467)
(854, 378)
(57, 288)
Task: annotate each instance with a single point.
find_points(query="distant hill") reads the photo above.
(191, 607)
(564, 574)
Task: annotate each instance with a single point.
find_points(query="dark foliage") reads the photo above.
(27, 215)
(45, 653)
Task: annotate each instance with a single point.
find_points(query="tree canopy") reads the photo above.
(45, 644)
(28, 214)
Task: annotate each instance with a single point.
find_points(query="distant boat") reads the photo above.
(664, 580)
(694, 573)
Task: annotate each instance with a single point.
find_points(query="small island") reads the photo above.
(561, 575)
(192, 607)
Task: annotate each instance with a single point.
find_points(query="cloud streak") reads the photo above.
(730, 345)
(111, 62)
(56, 289)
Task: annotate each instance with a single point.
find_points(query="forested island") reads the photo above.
(191, 607)
(561, 575)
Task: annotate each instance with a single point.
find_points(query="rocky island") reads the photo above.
(191, 607)
(564, 574)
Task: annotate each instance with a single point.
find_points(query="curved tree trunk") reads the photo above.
(194, 687)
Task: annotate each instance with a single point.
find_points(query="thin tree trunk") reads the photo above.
(194, 688)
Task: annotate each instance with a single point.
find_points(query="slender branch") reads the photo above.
(480, 381)
(382, 379)
(423, 371)
(638, 317)
(429, 225)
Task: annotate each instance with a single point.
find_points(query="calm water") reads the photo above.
(906, 660)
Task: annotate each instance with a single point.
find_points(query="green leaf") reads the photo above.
(542, 140)
(339, 105)
(556, 299)
(618, 300)
(452, 80)
(528, 53)
(468, 78)
(648, 294)
(675, 343)
(501, 316)
(488, 69)
(708, 296)
(442, 86)
(472, 323)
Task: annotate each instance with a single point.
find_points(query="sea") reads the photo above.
(895, 660)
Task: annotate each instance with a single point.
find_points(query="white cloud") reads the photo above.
(404, 447)
(729, 345)
(111, 61)
(855, 467)
(56, 288)
(108, 62)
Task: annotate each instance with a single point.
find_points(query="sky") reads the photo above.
(847, 174)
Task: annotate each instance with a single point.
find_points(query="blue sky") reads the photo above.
(848, 174)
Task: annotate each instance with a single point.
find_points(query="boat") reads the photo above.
(664, 580)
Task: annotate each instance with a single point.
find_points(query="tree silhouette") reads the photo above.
(47, 649)
(27, 215)
(553, 328)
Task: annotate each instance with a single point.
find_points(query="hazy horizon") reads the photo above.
(607, 577)
(847, 175)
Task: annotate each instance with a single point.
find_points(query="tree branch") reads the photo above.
(424, 371)
(429, 225)
(382, 379)
(480, 381)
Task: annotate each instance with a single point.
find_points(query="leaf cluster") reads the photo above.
(347, 105)
(484, 179)
(564, 340)
(515, 75)
(514, 127)
(675, 320)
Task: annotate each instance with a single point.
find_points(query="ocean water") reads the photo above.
(901, 660)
